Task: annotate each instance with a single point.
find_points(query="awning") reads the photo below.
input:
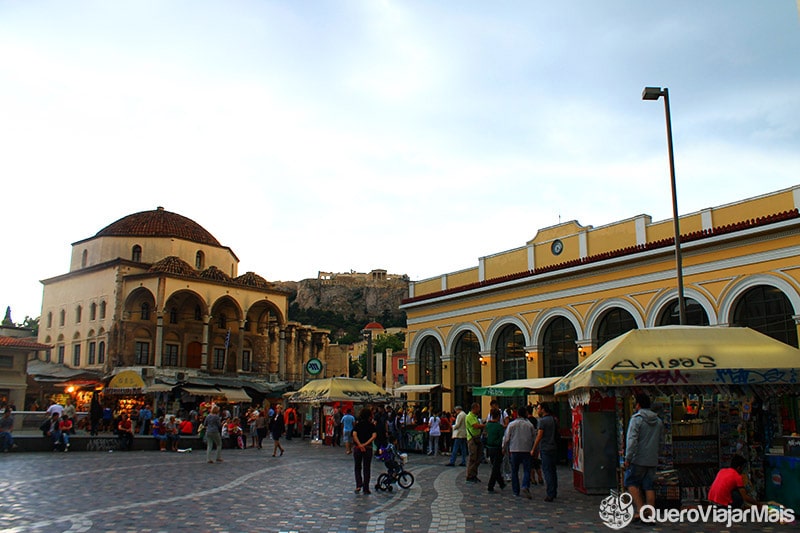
(517, 387)
(127, 379)
(197, 391)
(235, 395)
(686, 355)
(159, 387)
(427, 388)
(329, 390)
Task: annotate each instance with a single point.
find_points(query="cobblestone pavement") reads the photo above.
(310, 488)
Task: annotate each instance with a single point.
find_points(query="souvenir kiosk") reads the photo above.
(324, 395)
(718, 390)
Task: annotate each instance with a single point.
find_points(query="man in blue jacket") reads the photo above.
(641, 452)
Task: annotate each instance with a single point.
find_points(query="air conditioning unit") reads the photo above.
(273, 378)
(148, 372)
(180, 376)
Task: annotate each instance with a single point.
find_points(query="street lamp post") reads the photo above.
(654, 93)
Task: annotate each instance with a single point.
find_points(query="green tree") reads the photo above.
(32, 323)
(394, 342)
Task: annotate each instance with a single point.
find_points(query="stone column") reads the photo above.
(240, 345)
(159, 338)
(206, 333)
(282, 354)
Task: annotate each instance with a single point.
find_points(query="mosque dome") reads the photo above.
(215, 274)
(251, 279)
(173, 265)
(158, 223)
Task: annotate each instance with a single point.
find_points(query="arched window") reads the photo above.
(84, 258)
(510, 354)
(136, 253)
(102, 310)
(173, 315)
(92, 311)
(695, 314)
(62, 318)
(430, 362)
(222, 321)
(766, 309)
(559, 350)
(466, 358)
(78, 313)
(145, 311)
(199, 260)
(49, 319)
(101, 352)
(198, 313)
(615, 322)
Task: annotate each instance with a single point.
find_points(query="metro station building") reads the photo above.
(538, 310)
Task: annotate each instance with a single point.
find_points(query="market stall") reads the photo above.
(718, 390)
(324, 395)
(414, 433)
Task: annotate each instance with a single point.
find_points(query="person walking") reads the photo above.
(434, 433)
(213, 429)
(459, 438)
(6, 431)
(364, 434)
(277, 426)
(494, 445)
(290, 420)
(348, 423)
(261, 427)
(546, 446)
(474, 444)
(519, 440)
(645, 430)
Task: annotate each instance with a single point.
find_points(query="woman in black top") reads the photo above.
(277, 427)
(364, 433)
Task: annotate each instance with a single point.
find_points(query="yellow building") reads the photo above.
(537, 310)
(155, 290)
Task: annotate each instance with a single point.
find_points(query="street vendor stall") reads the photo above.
(717, 390)
(324, 395)
(518, 387)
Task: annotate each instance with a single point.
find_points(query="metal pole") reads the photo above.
(676, 222)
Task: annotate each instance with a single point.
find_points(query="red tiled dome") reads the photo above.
(251, 279)
(215, 274)
(173, 265)
(373, 325)
(158, 223)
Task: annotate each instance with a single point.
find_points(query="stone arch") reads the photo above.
(597, 312)
(419, 338)
(539, 327)
(134, 301)
(735, 291)
(499, 323)
(452, 337)
(657, 305)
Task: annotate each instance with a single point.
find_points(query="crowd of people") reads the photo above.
(513, 437)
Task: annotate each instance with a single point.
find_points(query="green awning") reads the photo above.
(517, 387)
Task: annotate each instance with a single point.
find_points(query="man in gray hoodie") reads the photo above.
(641, 452)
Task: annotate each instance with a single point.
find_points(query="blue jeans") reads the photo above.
(459, 447)
(6, 440)
(549, 470)
(517, 459)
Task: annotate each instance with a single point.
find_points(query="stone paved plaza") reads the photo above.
(310, 488)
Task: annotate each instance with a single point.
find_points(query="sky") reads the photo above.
(412, 136)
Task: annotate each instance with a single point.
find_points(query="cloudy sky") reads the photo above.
(413, 136)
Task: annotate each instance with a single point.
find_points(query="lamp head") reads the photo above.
(652, 93)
